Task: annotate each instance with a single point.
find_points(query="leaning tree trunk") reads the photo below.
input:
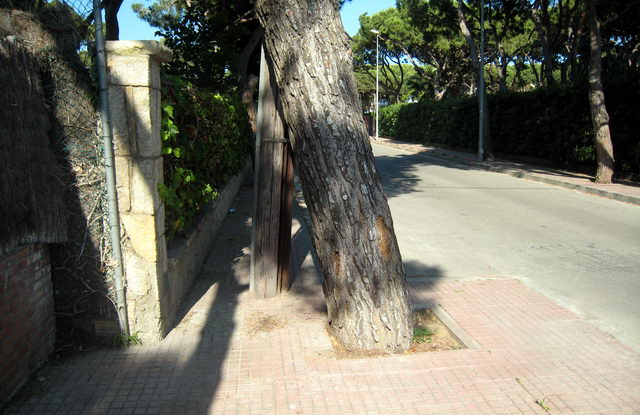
(364, 281)
(599, 114)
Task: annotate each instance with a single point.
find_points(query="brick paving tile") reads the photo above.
(216, 361)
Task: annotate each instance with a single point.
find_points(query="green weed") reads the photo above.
(422, 335)
(543, 405)
(127, 339)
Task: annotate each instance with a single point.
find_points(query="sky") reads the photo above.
(132, 28)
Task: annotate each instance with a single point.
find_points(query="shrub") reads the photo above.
(205, 140)
(553, 124)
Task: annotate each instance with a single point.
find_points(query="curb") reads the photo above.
(634, 200)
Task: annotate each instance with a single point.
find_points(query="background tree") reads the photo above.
(112, 28)
(394, 32)
(506, 25)
(599, 113)
(540, 16)
(439, 56)
(530, 44)
(163, 14)
(208, 39)
(364, 281)
(620, 37)
(214, 44)
(390, 88)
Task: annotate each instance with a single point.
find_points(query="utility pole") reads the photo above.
(271, 236)
(377, 33)
(481, 95)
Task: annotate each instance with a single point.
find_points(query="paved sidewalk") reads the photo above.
(232, 354)
(624, 192)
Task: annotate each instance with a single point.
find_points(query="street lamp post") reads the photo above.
(481, 89)
(377, 33)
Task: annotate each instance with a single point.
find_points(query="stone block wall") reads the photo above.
(27, 315)
(156, 284)
(134, 99)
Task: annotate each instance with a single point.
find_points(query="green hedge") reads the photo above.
(205, 141)
(553, 124)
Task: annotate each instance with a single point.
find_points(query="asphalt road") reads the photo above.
(453, 221)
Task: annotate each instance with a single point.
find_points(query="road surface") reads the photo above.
(453, 221)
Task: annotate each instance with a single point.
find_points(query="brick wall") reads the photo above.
(27, 317)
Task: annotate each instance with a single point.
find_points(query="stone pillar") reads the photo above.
(134, 98)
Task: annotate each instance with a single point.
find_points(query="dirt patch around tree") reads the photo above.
(429, 335)
(261, 323)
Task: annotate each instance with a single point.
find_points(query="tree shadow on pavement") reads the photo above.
(206, 359)
(181, 373)
(399, 172)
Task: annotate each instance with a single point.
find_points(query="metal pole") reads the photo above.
(377, 82)
(481, 96)
(112, 197)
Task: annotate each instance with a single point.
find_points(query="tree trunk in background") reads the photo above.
(544, 43)
(364, 281)
(111, 19)
(248, 91)
(599, 115)
(501, 66)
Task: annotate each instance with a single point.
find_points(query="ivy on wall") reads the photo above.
(205, 141)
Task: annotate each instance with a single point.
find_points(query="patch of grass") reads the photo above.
(127, 339)
(422, 335)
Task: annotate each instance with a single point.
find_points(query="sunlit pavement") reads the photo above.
(232, 354)
(455, 219)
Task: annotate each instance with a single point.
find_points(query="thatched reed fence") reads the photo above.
(31, 203)
(82, 264)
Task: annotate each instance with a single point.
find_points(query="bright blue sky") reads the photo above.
(132, 28)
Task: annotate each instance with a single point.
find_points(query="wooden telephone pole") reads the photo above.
(273, 183)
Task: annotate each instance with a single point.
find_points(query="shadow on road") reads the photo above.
(416, 269)
(399, 172)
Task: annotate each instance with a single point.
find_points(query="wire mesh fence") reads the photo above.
(83, 8)
(82, 267)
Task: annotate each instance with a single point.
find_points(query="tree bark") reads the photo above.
(599, 114)
(364, 281)
(248, 92)
(112, 28)
(501, 67)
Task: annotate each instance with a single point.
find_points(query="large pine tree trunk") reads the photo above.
(365, 287)
(599, 114)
